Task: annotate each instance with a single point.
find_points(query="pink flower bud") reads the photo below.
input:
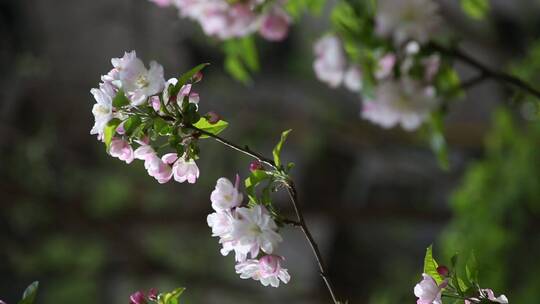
(213, 117)
(255, 165)
(153, 294)
(154, 102)
(137, 298)
(197, 77)
(275, 26)
(443, 270)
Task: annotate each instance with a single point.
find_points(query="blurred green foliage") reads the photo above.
(497, 211)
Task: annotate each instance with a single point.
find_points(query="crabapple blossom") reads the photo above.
(256, 229)
(140, 83)
(233, 19)
(122, 150)
(330, 63)
(275, 25)
(427, 291)
(353, 79)
(102, 109)
(221, 223)
(267, 270)
(490, 295)
(185, 170)
(226, 195)
(385, 66)
(404, 20)
(137, 298)
(406, 102)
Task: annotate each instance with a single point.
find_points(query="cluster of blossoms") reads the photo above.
(130, 111)
(232, 19)
(445, 283)
(250, 232)
(396, 76)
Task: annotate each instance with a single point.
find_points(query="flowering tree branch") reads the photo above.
(293, 195)
(486, 72)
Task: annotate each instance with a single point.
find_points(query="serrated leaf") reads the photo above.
(29, 295)
(110, 130)
(120, 99)
(476, 9)
(215, 129)
(430, 265)
(276, 152)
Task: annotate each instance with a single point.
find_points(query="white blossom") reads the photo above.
(427, 291)
(267, 270)
(404, 20)
(226, 195)
(256, 229)
(405, 102)
(330, 62)
(138, 82)
(102, 109)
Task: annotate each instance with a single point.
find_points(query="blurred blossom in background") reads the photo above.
(93, 229)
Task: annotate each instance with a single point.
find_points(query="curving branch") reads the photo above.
(486, 72)
(293, 195)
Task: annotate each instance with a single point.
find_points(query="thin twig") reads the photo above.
(291, 190)
(488, 72)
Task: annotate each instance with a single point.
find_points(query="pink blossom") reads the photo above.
(353, 79)
(256, 229)
(406, 102)
(185, 170)
(490, 295)
(275, 25)
(386, 66)
(226, 195)
(330, 62)
(427, 291)
(122, 150)
(267, 270)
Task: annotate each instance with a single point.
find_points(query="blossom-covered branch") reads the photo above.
(439, 281)
(139, 115)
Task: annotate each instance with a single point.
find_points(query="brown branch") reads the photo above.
(487, 72)
(291, 190)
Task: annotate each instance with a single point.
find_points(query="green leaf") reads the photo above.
(277, 149)
(110, 130)
(476, 9)
(471, 268)
(437, 140)
(171, 297)
(252, 181)
(215, 129)
(448, 83)
(186, 77)
(430, 265)
(241, 58)
(161, 126)
(29, 295)
(298, 7)
(131, 124)
(120, 99)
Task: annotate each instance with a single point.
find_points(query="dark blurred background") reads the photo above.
(92, 229)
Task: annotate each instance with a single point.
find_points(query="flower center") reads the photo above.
(142, 81)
